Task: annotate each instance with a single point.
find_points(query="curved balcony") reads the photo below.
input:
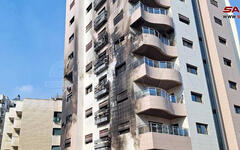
(164, 137)
(157, 18)
(157, 102)
(152, 45)
(156, 73)
(162, 3)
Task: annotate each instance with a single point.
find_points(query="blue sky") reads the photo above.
(31, 47)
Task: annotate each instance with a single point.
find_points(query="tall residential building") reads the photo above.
(34, 124)
(5, 104)
(149, 74)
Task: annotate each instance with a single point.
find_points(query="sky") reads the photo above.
(32, 46)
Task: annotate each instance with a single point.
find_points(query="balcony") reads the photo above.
(163, 74)
(69, 66)
(102, 116)
(98, 3)
(104, 143)
(17, 124)
(57, 120)
(164, 137)
(102, 41)
(152, 44)
(157, 102)
(56, 140)
(101, 90)
(100, 20)
(15, 141)
(101, 65)
(162, 3)
(142, 15)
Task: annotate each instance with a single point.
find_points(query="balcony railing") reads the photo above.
(151, 91)
(147, 30)
(162, 128)
(103, 143)
(152, 10)
(102, 41)
(101, 65)
(102, 116)
(100, 20)
(154, 63)
(98, 3)
(101, 90)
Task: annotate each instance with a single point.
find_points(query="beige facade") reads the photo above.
(34, 124)
(148, 74)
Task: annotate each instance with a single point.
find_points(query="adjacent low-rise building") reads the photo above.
(34, 124)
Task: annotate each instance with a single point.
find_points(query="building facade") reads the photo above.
(141, 74)
(33, 124)
(5, 104)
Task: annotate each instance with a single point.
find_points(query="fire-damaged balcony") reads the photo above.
(100, 20)
(98, 3)
(69, 67)
(163, 3)
(101, 64)
(158, 18)
(102, 116)
(152, 44)
(101, 90)
(102, 144)
(102, 41)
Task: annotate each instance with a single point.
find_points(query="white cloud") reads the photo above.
(25, 89)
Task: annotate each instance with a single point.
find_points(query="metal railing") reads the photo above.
(162, 128)
(151, 91)
(155, 63)
(152, 10)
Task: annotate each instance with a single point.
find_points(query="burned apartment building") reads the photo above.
(149, 74)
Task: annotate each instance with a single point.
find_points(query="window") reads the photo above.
(71, 21)
(232, 85)
(55, 147)
(89, 7)
(187, 43)
(184, 19)
(227, 62)
(114, 1)
(120, 68)
(214, 2)
(124, 127)
(69, 119)
(89, 89)
(57, 131)
(88, 112)
(89, 46)
(118, 18)
(103, 133)
(57, 117)
(237, 109)
(103, 79)
(218, 21)
(71, 38)
(72, 4)
(88, 138)
(89, 26)
(196, 97)
(119, 43)
(222, 40)
(202, 128)
(192, 69)
(182, 0)
(69, 97)
(89, 66)
(67, 143)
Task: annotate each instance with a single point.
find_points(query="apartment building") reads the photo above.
(34, 124)
(5, 104)
(149, 74)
